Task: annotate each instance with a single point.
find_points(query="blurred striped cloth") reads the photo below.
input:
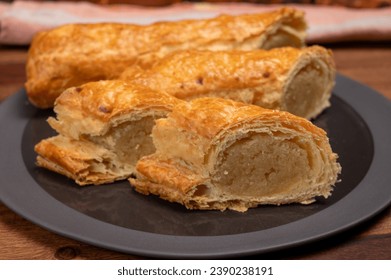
(20, 20)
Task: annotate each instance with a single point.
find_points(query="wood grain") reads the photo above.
(12, 70)
(368, 64)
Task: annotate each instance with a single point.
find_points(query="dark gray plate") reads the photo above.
(115, 217)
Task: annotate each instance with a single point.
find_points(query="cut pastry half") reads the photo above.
(104, 128)
(219, 154)
(299, 81)
(74, 54)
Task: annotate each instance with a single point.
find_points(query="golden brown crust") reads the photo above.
(78, 53)
(103, 128)
(261, 77)
(219, 154)
(75, 159)
(179, 179)
(208, 117)
(93, 107)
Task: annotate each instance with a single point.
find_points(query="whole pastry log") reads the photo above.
(219, 154)
(299, 81)
(103, 129)
(74, 54)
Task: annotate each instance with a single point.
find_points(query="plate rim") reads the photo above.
(368, 103)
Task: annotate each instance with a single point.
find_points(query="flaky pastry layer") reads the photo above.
(299, 81)
(74, 54)
(219, 154)
(103, 129)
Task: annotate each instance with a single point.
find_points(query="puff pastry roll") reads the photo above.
(74, 54)
(214, 153)
(299, 81)
(103, 129)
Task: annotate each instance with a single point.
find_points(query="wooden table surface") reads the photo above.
(367, 63)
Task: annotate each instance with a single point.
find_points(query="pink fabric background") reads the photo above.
(20, 20)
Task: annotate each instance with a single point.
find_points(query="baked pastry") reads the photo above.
(74, 54)
(299, 81)
(104, 128)
(214, 153)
